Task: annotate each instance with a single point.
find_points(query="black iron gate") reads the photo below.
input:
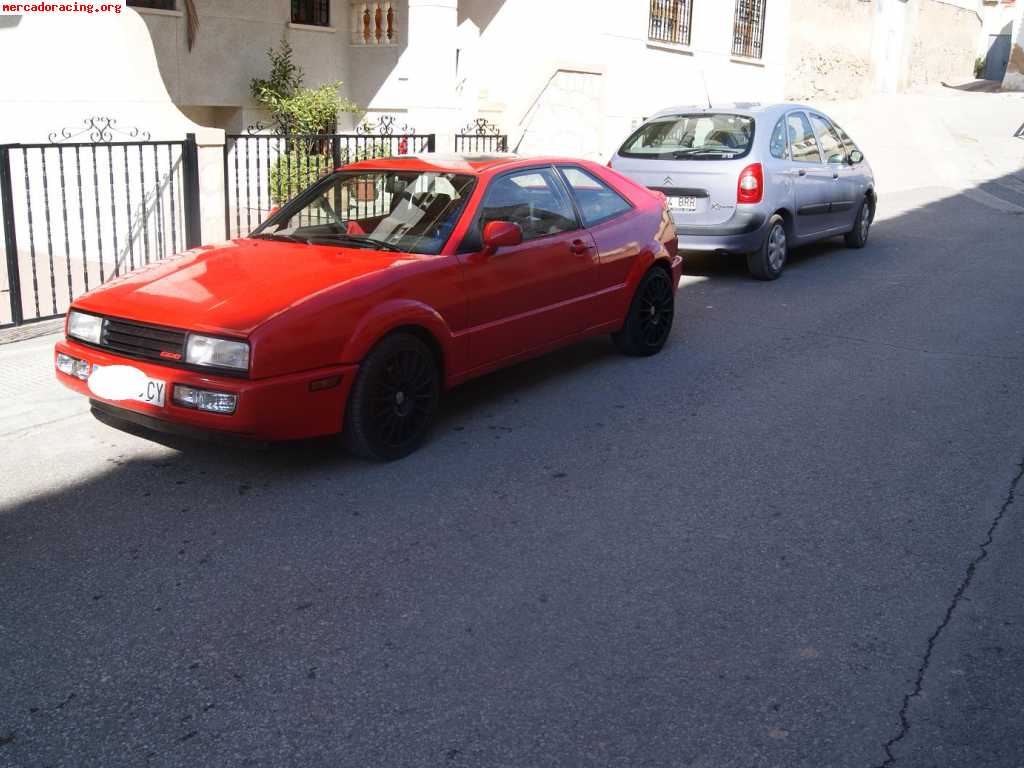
(77, 213)
(263, 170)
(481, 137)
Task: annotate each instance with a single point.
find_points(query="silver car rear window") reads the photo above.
(701, 136)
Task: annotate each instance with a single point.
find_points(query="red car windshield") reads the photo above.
(408, 211)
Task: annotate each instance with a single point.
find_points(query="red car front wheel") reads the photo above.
(394, 399)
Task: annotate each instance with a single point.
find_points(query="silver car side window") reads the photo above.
(803, 142)
(828, 139)
(849, 143)
(780, 141)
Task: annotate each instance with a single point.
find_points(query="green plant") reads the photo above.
(296, 109)
(293, 171)
(979, 68)
(366, 150)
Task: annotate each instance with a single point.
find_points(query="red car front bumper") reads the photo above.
(278, 408)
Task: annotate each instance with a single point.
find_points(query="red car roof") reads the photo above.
(451, 163)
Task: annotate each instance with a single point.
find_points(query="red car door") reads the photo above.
(525, 296)
(619, 230)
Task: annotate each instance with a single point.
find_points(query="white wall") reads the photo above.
(231, 49)
(592, 54)
(82, 65)
(79, 67)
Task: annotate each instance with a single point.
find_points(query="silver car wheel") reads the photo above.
(777, 248)
(865, 223)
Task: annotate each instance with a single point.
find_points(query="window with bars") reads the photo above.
(748, 29)
(316, 13)
(160, 5)
(670, 21)
(374, 22)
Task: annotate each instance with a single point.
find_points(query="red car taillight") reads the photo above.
(750, 188)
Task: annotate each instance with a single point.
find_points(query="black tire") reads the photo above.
(650, 316)
(768, 261)
(858, 236)
(393, 400)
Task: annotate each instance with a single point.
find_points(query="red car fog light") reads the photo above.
(72, 366)
(205, 400)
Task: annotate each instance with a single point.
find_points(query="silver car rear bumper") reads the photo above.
(743, 233)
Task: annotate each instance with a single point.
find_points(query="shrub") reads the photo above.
(295, 170)
(296, 109)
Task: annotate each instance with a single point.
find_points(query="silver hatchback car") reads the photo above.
(753, 179)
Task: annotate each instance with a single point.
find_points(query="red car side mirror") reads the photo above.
(501, 234)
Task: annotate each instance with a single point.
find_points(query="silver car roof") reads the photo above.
(745, 108)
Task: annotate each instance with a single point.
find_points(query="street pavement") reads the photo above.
(792, 539)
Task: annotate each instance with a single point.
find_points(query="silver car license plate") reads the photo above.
(685, 204)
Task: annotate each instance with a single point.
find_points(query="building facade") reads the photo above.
(560, 75)
(556, 76)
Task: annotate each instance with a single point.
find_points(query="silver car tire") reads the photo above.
(858, 236)
(768, 261)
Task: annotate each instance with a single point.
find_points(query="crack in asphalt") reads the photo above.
(965, 583)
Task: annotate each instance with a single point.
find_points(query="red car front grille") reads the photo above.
(141, 340)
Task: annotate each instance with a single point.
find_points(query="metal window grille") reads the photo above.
(163, 5)
(748, 29)
(314, 12)
(670, 21)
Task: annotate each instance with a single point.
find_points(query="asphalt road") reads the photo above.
(790, 540)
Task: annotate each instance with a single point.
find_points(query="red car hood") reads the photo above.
(233, 286)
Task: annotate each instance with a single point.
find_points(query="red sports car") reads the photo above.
(352, 307)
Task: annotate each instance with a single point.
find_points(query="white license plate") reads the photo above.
(685, 204)
(153, 390)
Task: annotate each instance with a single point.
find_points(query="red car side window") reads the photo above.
(535, 199)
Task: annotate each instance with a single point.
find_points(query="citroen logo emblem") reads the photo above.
(667, 181)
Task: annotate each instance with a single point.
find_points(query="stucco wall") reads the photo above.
(231, 46)
(830, 50)
(847, 49)
(944, 40)
(1014, 80)
(507, 75)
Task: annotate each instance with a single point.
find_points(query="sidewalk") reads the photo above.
(961, 140)
(31, 330)
(30, 396)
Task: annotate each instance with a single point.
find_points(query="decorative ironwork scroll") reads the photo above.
(98, 130)
(481, 126)
(385, 126)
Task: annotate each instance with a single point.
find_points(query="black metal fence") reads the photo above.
(481, 137)
(75, 215)
(264, 170)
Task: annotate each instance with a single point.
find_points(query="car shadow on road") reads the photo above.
(733, 266)
(196, 603)
(458, 405)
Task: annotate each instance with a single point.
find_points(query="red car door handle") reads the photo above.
(579, 247)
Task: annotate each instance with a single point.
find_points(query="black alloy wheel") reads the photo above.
(650, 317)
(394, 399)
